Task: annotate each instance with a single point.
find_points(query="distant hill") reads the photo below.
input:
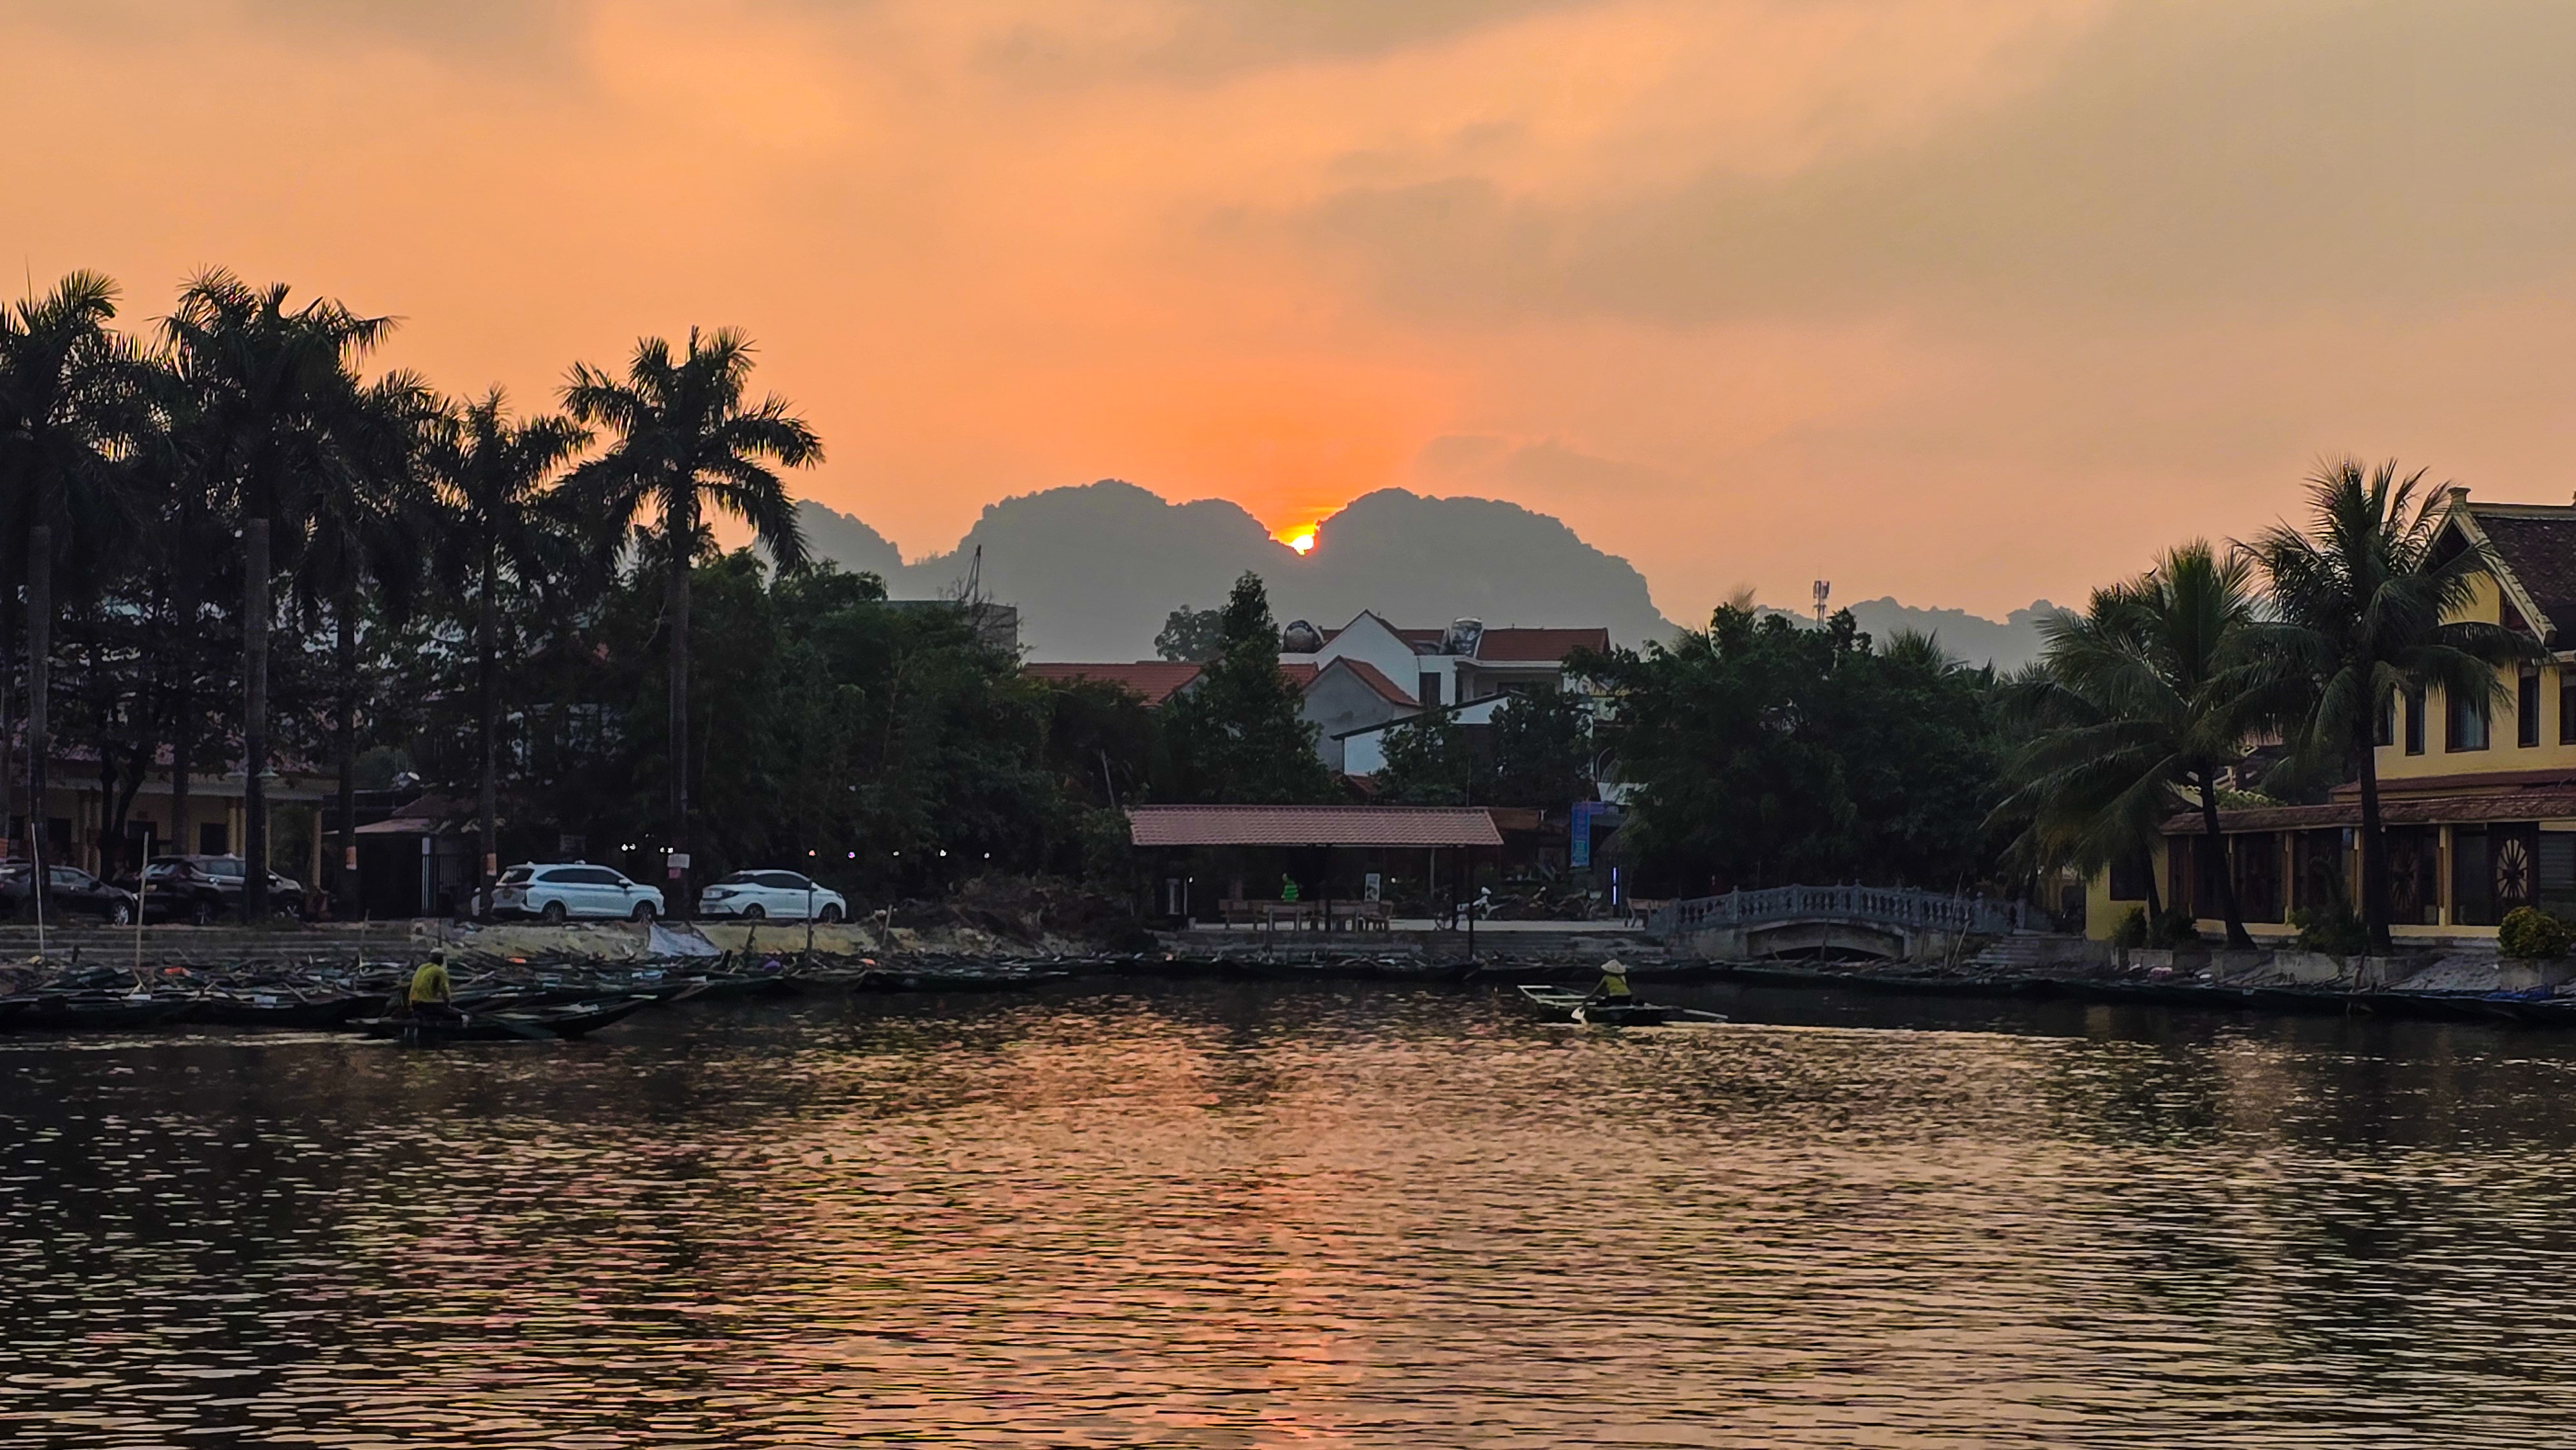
(2007, 646)
(1095, 569)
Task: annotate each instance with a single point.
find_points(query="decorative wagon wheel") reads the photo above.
(2405, 886)
(2512, 872)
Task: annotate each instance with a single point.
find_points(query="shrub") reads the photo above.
(2171, 928)
(2174, 928)
(2132, 930)
(2333, 930)
(2530, 932)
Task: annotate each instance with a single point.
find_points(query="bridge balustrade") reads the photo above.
(1869, 905)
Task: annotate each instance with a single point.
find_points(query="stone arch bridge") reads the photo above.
(1887, 922)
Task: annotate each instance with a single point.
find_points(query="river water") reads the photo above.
(1197, 1215)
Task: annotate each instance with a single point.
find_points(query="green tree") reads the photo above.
(504, 530)
(363, 529)
(1542, 750)
(1236, 734)
(274, 418)
(70, 413)
(1765, 751)
(2140, 702)
(686, 440)
(1428, 763)
(2366, 600)
(1194, 636)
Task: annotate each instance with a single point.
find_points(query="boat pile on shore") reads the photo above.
(557, 999)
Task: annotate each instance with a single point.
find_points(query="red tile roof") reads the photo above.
(1373, 677)
(1539, 644)
(1393, 826)
(1154, 680)
(2526, 805)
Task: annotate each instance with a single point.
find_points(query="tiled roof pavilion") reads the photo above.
(1405, 827)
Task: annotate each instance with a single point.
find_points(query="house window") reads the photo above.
(2414, 722)
(2566, 706)
(212, 839)
(2383, 731)
(2526, 709)
(2467, 720)
(1430, 691)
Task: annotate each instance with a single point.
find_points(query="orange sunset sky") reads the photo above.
(1970, 301)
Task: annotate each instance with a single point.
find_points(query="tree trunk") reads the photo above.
(183, 711)
(2374, 855)
(254, 902)
(40, 651)
(2155, 897)
(487, 705)
(683, 529)
(2237, 935)
(345, 812)
(8, 752)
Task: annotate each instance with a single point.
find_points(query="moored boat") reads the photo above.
(541, 1024)
(1568, 1005)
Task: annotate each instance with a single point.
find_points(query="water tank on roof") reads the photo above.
(1462, 636)
(1300, 638)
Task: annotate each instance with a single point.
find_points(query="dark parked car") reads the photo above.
(75, 893)
(203, 889)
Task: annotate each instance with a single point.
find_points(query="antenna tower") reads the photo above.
(1824, 591)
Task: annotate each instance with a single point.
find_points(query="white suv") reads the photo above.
(574, 888)
(753, 895)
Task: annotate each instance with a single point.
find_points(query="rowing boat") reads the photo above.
(1567, 1005)
(540, 1024)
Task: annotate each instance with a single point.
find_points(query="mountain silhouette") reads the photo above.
(1095, 569)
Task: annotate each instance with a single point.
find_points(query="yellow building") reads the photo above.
(2478, 798)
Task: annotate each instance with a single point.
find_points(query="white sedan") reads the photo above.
(784, 895)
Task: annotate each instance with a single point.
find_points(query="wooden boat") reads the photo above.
(91, 1011)
(255, 1008)
(539, 1024)
(1568, 1005)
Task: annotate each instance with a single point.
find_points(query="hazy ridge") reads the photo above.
(1095, 569)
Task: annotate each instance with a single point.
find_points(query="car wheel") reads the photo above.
(755, 912)
(643, 911)
(554, 913)
(201, 912)
(831, 912)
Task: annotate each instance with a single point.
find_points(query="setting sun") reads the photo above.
(1303, 541)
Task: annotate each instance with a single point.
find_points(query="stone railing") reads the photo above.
(1869, 905)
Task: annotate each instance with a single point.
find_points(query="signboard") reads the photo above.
(1375, 888)
(679, 861)
(1581, 859)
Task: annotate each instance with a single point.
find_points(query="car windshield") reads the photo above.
(223, 868)
(739, 878)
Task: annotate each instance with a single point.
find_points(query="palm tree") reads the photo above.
(71, 411)
(2140, 700)
(685, 440)
(272, 414)
(363, 523)
(2365, 599)
(504, 529)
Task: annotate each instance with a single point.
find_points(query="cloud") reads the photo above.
(1962, 300)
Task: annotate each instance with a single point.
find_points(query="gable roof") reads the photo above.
(2536, 546)
(1155, 680)
(1367, 674)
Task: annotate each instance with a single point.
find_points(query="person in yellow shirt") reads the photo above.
(1614, 984)
(432, 994)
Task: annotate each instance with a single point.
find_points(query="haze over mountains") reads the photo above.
(1095, 569)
